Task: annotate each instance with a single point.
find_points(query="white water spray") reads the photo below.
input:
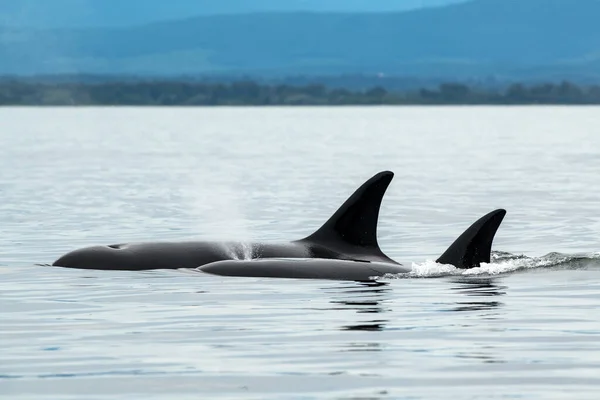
(239, 251)
(502, 263)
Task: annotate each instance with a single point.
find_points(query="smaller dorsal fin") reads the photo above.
(474, 246)
(353, 227)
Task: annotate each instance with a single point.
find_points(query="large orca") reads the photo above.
(469, 250)
(350, 234)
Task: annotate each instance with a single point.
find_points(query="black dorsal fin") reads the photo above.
(474, 246)
(353, 227)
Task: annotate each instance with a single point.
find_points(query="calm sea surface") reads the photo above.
(526, 326)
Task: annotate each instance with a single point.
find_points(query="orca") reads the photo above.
(349, 234)
(469, 250)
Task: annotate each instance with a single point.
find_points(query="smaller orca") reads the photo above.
(474, 246)
(469, 250)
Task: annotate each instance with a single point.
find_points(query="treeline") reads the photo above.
(169, 93)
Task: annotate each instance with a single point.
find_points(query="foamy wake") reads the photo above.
(502, 263)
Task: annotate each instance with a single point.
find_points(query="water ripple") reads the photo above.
(524, 326)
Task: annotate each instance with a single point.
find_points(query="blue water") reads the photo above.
(524, 326)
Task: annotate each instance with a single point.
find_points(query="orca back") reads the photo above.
(352, 229)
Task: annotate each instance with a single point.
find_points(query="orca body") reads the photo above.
(305, 268)
(469, 250)
(350, 234)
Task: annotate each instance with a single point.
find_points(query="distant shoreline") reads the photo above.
(249, 93)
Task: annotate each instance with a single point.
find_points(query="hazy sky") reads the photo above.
(58, 13)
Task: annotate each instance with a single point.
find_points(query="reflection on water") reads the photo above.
(367, 298)
(477, 287)
(476, 306)
(485, 357)
(484, 286)
(363, 346)
(377, 325)
(488, 311)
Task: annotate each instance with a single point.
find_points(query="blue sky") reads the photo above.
(63, 13)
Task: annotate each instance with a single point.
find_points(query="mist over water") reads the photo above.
(525, 325)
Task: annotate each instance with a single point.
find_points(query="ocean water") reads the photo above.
(525, 326)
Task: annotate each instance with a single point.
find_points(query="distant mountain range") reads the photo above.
(121, 13)
(517, 38)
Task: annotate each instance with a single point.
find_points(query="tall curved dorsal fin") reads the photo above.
(474, 246)
(353, 227)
